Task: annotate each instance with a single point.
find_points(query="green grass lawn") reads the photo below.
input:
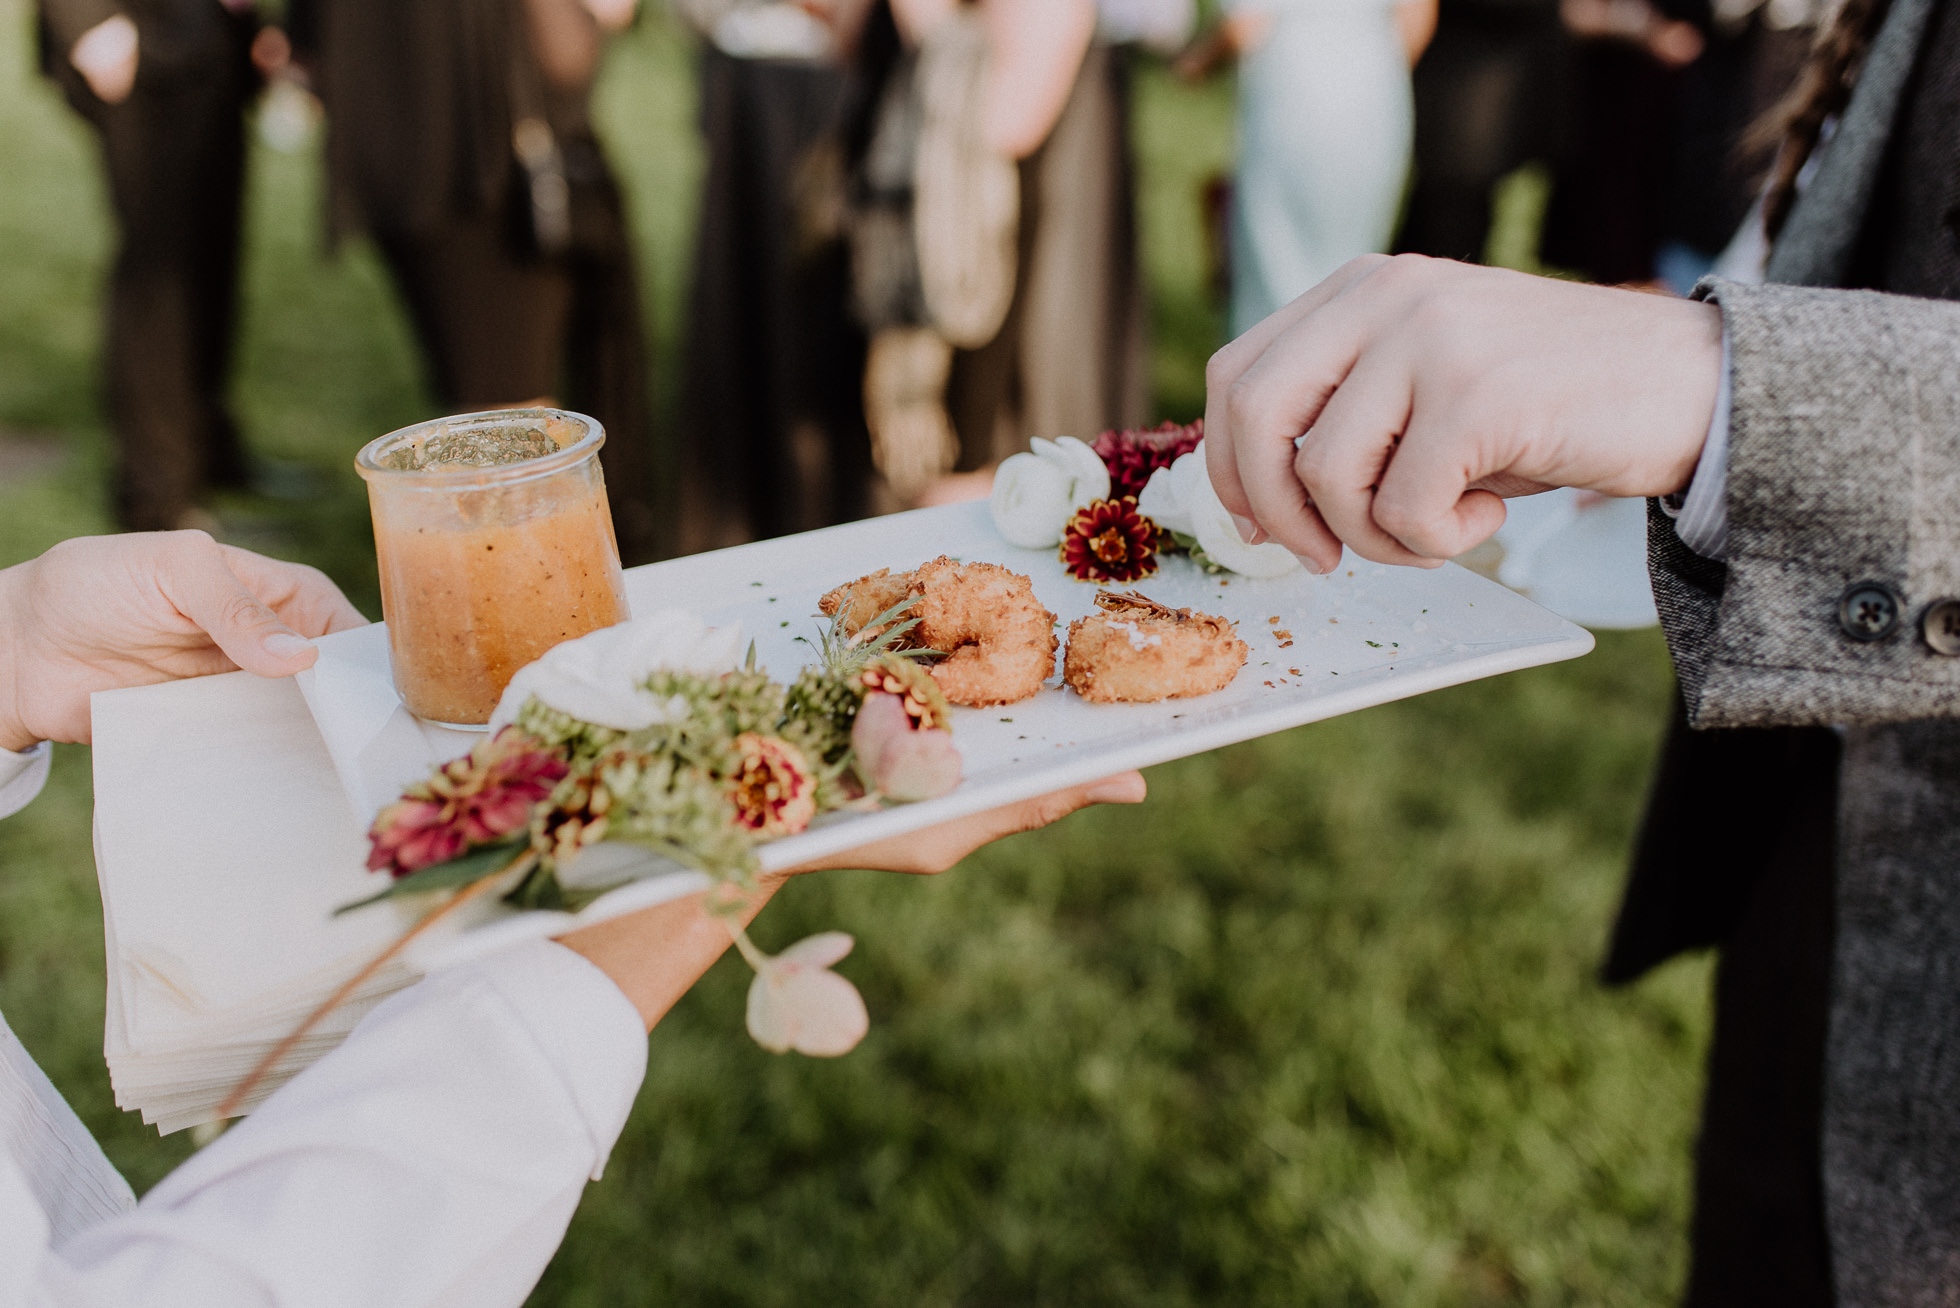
(1316, 1025)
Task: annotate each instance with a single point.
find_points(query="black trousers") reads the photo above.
(175, 157)
(501, 325)
(1488, 93)
(773, 437)
(1739, 851)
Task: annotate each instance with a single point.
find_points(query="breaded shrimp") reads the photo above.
(998, 640)
(866, 598)
(1139, 651)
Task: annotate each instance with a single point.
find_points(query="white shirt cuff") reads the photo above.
(22, 775)
(1701, 515)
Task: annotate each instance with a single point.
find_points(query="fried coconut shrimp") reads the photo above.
(856, 604)
(1138, 651)
(998, 640)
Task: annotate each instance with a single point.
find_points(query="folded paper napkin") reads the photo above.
(377, 746)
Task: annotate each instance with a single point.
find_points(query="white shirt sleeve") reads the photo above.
(21, 777)
(433, 1159)
(1701, 516)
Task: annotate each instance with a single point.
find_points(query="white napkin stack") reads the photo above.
(230, 822)
(223, 845)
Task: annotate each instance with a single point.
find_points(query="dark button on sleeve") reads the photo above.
(1868, 610)
(1940, 625)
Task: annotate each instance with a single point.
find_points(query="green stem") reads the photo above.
(746, 947)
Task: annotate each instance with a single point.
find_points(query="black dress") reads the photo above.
(518, 274)
(773, 439)
(175, 156)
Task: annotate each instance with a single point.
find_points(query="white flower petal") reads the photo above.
(768, 1016)
(1030, 501)
(1160, 504)
(1218, 536)
(1220, 540)
(825, 949)
(1081, 462)
(829, 1016)
(596, 677)
(1191, 482)
(796, 1002)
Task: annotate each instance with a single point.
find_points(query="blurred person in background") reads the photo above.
(1756, 49)
(1326, 121)
(992, 220)
(774, 439)
(1662, 167)
(165, 83)
(1606, 215)
(460, 138)
(1488, 95)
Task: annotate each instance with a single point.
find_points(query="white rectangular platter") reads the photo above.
(1363, 636)
(1320, 646)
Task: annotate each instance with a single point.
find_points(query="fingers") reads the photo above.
(1230, 364)
(195, 575)
(304, 598)
(946, 845)
(1431, 499)
(1276, 400)
(938, 848)
(1348, 453)
(1323, 445)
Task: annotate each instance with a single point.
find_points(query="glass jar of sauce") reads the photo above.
(495, 543)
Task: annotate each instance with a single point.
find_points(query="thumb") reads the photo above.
(1034, 814)
(199, 581)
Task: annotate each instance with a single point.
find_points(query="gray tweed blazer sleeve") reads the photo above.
(1844, 467)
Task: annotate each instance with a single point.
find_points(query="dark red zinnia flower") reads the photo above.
(482, 797)
(1132, 455)
(1110, 541)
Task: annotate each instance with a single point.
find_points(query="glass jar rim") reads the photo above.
(462, 477)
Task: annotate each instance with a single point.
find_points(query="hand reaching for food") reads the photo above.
(1391, 407)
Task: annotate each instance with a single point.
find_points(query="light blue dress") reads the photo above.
(1326, 123)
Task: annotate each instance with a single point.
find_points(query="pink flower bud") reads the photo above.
(897, 758)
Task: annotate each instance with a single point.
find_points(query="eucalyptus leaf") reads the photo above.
(1197, 552)
(483, 861)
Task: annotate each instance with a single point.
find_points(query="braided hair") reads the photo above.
(1822, 90)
